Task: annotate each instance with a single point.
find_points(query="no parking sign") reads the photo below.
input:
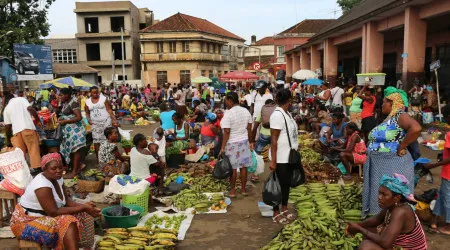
(256, 66)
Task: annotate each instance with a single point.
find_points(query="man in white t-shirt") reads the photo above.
(180, 100)
(17, 117)
(260, 98)
(336, 96)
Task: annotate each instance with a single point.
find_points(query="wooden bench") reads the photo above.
(4, 197)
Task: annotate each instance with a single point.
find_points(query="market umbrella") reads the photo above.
(65, 83)
(316, 82)
(239, 75)
(201, 79)
(304, 74)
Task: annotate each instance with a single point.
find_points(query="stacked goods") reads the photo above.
(92, 175)
(319, 223)
(196, 169)
(208, 184)
(172, 151)
(137, 238)
(141, 122)
(168, 223)
(305, 140)
(322, 172)
(174, 176)
(309, 156)
(188, 198)
(218, 202)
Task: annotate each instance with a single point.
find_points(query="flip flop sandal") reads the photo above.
(433, 230)
(288, 215)
(282, 221)
(230, 195)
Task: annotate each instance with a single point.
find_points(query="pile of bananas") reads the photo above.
(168, 222)
(137, 238)
(352, 196)
(309, 156)
(188, 198)
(321, 216)
(207, 184)
(92, 175)
(218, 202)
(173, 177)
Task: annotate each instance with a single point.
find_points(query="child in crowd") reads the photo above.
(160, 140)
(192, 147)
(442, 207)
(156, 169)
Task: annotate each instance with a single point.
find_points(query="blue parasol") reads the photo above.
(316, 82)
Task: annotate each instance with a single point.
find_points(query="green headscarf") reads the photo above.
(392, 90)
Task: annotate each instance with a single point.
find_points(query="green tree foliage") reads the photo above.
(28, 21)
(347, 5)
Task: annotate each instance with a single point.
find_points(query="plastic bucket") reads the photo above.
(123, 221)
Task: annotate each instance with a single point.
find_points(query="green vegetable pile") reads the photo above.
(172, 151)
(126, 143)
(188, 198)
(208, 184)
(172, 177)
(322, 211)
(167, 222)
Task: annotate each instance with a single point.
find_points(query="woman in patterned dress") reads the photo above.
(110, 160)
(387, 153)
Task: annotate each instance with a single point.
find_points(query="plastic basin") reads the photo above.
(123, 221)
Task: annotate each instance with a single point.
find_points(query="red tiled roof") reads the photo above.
(268, 40)
(308, 26)
(183, 22)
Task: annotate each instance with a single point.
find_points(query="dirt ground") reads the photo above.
(243, 227)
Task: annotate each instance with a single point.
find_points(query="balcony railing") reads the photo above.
(184, 56)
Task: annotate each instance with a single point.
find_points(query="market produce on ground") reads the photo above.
(141, 237)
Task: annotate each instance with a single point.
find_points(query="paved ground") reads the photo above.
(243, 227)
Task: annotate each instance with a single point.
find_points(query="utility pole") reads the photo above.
(123, 55)
(113, 69)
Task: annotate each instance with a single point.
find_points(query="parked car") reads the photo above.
(25, 62)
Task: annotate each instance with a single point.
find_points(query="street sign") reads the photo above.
(256, 66)
(435, 65)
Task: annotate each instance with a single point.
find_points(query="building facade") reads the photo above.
(182, 47)
(399, 38)
(64, 49)
(294, 37)
(100, 26)
(260, 51)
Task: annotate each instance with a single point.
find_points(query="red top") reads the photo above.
(367, 110)
(206, 131)
(445, 172)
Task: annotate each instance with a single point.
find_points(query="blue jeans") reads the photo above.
(44, 104)
(442, 207)
(263, 140)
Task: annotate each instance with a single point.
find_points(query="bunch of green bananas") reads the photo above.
(170, 223)
(137, 238)
(188, 198)
(208, 184)
(95, 173)
(309, 156)
(172, 177)
(321, 218)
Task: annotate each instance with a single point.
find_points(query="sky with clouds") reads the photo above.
(241, 17)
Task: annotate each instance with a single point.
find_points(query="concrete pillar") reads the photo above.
(295, 62)
(315, 58)
(330, 53)
(414, 45)
(373, 49)
(288, 60)
(305, 62)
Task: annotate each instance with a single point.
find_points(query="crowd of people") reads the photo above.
(355, 125)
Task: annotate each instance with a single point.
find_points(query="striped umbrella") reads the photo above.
(66, 82)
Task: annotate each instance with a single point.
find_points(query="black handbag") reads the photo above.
(294, 155)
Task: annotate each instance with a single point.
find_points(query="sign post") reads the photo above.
(434, 66)
(256, 66)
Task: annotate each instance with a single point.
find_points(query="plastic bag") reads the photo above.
(223, 168)
(298, 176)
(15, 171)
(260, 165)
(174, 188)
(272, 191)
(126, 134)
(118, 211)
(252, 169)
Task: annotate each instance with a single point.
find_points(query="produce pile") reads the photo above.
(188, 198)
(168, 222)
(309, 156)
(126, 143)
(441, 125)
(172, 151)
(316, 170)
(322, 211)
(208, 184)
(187, 179)
(92, 175)
(196, 169)
(142, 122)
(138, 238)
(305, 140)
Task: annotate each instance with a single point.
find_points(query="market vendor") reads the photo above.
(110, 160)
(181, 127)
(141, 158)
(354, 151)
(334, 136)
(137, 109)
(47, 215)
(323, 119)
(209, 130)
(396, 226)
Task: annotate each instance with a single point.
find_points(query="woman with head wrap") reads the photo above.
(396, 226)
(48, 216)
(209, 131)
(74, 137)
(387, 153)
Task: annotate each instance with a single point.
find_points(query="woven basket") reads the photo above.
(84, 186)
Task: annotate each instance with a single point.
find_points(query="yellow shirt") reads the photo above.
(133, 110)
(83, 102)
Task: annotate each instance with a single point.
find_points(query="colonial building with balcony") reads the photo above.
(182, 47)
